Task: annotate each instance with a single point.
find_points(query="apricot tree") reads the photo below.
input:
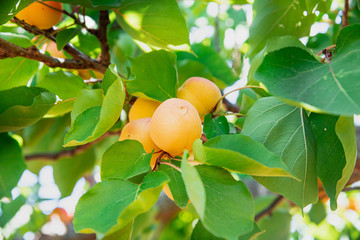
(199, 99)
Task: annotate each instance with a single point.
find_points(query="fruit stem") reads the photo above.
(235, 90)
(171, 165)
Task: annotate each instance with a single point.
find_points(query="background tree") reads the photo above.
(72, 75)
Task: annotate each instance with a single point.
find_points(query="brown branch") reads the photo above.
(69, 48)
(231, 107)
(10, 50)
(270, 208)
(345, 19)
(68, 153)
(101, 35)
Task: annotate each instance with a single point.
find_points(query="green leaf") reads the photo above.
(67, 171)
(333, 166)
(16, 71)
(317, 213)
(215, 63)
(155, 76)
(94, 4)
(93, 114)
(239, 153)
(276, 226)
(125, 159)
(215, 126)
(10, 7)
(123, 233)
(64, 36)
(9, 210)
(176, 184)
(116, 202)
(23, 106)
(158, 24)
(64, 84)
(285, 130)
(60, 108)
(277, 18)
(216, 196)
(12, 164)
(294, 74)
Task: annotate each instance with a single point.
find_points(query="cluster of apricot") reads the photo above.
(172, 126)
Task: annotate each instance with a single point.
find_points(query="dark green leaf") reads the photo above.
(200, 232)
(94, 4)
(215, 126)
(295, 74)
(16, 71)
(285, 130)
(333, 165)
(9, 210)
(158, 24)
(23, 106)
(64, 36)
(155, 75)
(240, 153)
(93, 114)
(176, 184)
(114, 202)
(125, 159)
(317, 213)
(67, 171)
(12, 164)
(277, 18)
(216, 196)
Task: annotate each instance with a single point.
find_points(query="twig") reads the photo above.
(170, 164)
(68, 153)
(348, 189)
(270, 208)
(345, 20)
(230, 106)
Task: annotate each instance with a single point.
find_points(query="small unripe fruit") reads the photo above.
(201, 93)
(175, 126)
(41, 16)
(142, 108)
(140, 130)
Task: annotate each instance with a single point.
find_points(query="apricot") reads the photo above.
(200, 92)
(86, 74)
(175, 125)
(52, 49)
(142, 108)
(140, 130)
(167, 192)
(41, 16)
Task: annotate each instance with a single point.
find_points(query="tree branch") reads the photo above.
(101, 35)
(270, 208)
(68, 153)
(345, 19)
(69, 48)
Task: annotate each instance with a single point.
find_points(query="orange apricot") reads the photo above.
(51, 48)
(140, 130)
(40, 15)
(142, 108)
(200, 92)
(175, 126)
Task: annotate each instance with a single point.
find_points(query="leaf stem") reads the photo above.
(170, 164)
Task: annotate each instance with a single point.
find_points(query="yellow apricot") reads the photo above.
(167, 192)
(142, 108)
(201, 93)
(140, 130)
(52, 49)
(41, 16)
(175, 126)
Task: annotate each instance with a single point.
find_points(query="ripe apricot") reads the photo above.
(142, 108)
(86, 74)
(175, 125)
(167, 192)
(52, 49)
(140, 130)
(200, 92)
(39, 15)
